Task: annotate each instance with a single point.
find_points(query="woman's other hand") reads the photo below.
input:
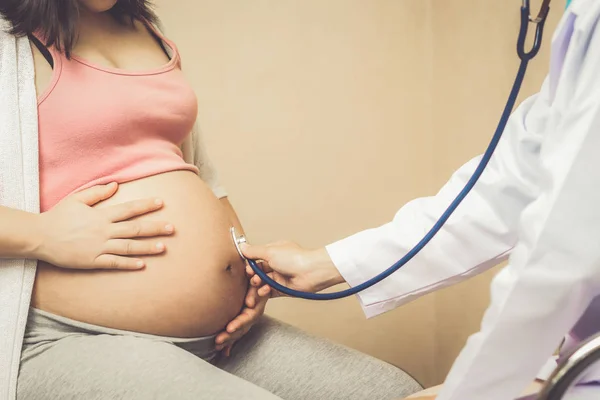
(75, 235)
(254, 308)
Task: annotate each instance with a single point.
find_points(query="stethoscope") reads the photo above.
(525, 57)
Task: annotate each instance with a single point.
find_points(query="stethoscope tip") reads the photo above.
(238, 241)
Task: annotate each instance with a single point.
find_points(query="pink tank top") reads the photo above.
(99, 124)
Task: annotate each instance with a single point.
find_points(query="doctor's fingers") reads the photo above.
(263, 265)
(254, 252)
(261, 252)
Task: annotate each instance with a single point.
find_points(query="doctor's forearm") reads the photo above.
(325, 273)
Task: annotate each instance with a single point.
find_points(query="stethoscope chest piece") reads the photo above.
(238, 241)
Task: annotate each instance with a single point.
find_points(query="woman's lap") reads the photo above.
(103, 367)
(272, 358)
(295, 365)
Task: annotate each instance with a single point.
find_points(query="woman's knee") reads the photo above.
(273, 351)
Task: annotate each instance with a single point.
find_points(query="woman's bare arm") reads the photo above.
(19, 233)
(74, 234)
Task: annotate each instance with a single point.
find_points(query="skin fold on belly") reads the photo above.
(194, 289)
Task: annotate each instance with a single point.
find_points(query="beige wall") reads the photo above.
(324, 116)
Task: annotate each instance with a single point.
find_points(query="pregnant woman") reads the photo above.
(137, 272)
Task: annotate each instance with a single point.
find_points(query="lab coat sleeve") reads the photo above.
(479, 235)
(554, 271)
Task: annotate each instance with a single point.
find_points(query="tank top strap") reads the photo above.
(52, 56)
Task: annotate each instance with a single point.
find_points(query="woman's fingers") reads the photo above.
(125, 247)
(110, 261)
(96, 194)
(256, 281)
(235, 331)
(239, 327)
(242, 323)
(251, 297)
(264, 291)
(254, 278)
(131, 209)
(226, 339)
(221, 339)
(135, 229)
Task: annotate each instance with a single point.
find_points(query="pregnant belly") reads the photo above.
(194, 289)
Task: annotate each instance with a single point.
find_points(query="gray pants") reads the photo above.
(66, 359)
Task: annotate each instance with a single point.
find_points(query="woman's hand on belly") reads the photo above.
(75, 235)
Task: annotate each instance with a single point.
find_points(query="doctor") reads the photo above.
(537, 204)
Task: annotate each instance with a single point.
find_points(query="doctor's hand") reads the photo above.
(292, 266)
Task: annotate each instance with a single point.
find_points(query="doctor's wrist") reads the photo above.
(323, 271)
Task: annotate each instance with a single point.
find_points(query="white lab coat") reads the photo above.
(538, 202)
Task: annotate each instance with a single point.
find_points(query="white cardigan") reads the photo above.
(19, 189)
